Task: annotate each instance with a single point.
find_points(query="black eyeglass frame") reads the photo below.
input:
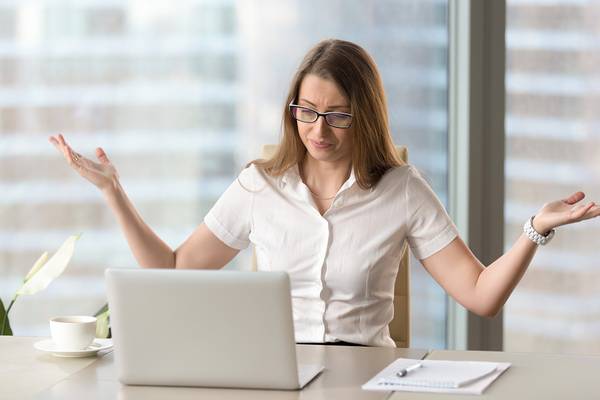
(319, 114)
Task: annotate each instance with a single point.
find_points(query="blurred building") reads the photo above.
(552, 148)
(182, 95)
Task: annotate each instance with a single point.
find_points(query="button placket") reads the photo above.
(323, 293)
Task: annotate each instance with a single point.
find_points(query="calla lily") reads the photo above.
(39, 277)
(43, 272)
(36, 267)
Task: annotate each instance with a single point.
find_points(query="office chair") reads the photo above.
(400, 324)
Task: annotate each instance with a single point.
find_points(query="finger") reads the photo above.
(66, 146)
(71, 154)
(580, 211)
(65, 152)
(63, 143)
(593, 212)
(75, 159)
(101, 155)
(574, 198)
(578, 207)
(54, 141)
(59, 142)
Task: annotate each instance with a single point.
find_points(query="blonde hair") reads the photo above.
(351, 68)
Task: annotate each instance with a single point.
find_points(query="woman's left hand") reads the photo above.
(563, 212)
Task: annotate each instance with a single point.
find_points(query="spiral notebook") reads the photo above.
(467, 377)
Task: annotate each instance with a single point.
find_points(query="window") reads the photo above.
(551, 151)
(181, 97)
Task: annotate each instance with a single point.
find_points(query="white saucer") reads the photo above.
(48, 346)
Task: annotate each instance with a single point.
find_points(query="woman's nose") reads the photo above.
(320, 126)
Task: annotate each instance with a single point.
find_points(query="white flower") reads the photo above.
(46, 270)
(36, 267)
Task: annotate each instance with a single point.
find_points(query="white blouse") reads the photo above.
(342, 264)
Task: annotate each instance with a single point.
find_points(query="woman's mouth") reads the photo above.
(320, 145)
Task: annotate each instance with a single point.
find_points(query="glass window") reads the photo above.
(551, 151)
(181, 98)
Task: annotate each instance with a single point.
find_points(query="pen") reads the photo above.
(402, 373)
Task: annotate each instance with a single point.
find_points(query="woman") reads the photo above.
(333, 208)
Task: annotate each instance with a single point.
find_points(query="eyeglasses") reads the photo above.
(335, 119)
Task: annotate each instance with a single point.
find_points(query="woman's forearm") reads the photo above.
(498, 280)
(148, 249)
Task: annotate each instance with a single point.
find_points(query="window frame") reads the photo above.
(477, 98)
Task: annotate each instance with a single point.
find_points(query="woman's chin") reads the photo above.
(325, 156)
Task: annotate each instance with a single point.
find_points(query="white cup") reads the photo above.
(73, 333)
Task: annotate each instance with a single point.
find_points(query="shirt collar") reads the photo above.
(291, 178)
(349, 182)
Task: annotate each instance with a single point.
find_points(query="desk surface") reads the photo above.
(531, 376)
(33, 374)
(28, 373)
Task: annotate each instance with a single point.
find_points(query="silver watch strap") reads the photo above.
(534, 235)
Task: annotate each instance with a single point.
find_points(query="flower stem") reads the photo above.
(6, 315)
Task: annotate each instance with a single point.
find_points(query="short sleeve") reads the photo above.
(230, 219)
(430, 228)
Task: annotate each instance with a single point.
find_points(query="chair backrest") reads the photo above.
(400, 324)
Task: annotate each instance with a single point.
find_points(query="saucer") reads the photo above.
(48, 346)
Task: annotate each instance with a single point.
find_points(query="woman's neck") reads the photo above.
(324, 179)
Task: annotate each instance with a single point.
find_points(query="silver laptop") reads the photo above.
(204, 328)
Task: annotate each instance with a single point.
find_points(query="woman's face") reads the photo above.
(322, 141)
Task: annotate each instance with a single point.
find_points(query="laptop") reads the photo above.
(230, 329)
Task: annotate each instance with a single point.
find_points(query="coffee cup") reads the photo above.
(73, 332)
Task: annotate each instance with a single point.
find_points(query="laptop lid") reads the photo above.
(202, 328)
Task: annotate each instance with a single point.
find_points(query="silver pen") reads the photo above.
(402, 373)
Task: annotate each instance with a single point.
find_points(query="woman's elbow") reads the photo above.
(487, 311)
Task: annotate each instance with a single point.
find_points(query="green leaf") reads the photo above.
(102, 310)
(103, 323)
(47, 272)
(4, 320)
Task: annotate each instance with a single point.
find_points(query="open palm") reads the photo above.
(103, 174)
(563, 212)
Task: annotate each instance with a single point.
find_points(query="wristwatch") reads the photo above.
(534, 235)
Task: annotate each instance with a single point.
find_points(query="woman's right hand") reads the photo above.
(103, 174)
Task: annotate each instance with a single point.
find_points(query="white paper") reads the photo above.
(438, 376)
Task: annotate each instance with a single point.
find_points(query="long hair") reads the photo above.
(351, 68)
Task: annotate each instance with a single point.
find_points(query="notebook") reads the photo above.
(467, 377)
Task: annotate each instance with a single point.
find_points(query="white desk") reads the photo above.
(27, 373)
(532, 376)
(347, 368)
